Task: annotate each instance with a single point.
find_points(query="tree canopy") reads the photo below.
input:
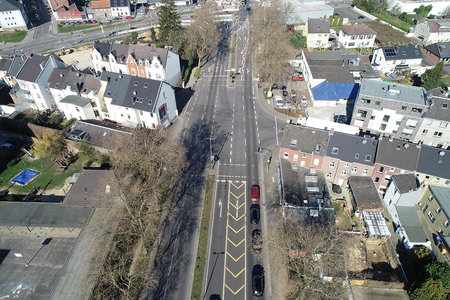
(431, 289)
(439, 270)
(432, 79)
(169, 21)
(423, 10)
(50, 143)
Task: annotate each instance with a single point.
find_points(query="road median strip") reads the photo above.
(202, 247)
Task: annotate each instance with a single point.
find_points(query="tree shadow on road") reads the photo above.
(182, 97)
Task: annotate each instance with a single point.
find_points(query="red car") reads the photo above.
(94, 21)
(254, 191)
(129, 17)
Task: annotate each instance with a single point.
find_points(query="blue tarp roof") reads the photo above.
(335, 91)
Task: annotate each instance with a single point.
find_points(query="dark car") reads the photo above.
(254, 214)
(258, 280)
(256, 241)
(254, 192)
(275, 86)
(215, 297)
(341, 119)
(361, 17)
(285, 93)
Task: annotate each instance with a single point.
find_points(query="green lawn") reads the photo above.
(202, 248)
(342, 218)
(13, 37)
(70, 28)
(394, 21)
(48, 176)
(446, 80)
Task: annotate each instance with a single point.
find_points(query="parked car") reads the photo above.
(256, 241)
(254, 214)
(258, 280)
(361, 17)
(279, 101)
(304, 100)
(254, 191)
(285, 93)
(94, 21)
(340, 119)
(298, 76)
(215, 297)
(275, 86)
(129, 17)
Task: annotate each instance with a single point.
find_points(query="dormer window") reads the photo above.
(57, 85)
(318, 148)
(368, 157)
(145, 85)
(135, 83)
(335, 150)
(108, 93)
(293, 142)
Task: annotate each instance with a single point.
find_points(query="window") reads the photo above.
(381, 170)
(446, 224)
(356, 155)
(437, 134)
(135, 83)
(417, 110)
(318, 148)
(328, 175)
(438, 210)
(431, 216)
(377, 179)
(354, 169)
(372, 117)
(398, 122)
(444, 105)
(286, 155)
(77, 109)
(332, 164)
(295, 157)
(404, 107)
(411, 123)
(334, 150)
(303, 155)
(141, 112)
(346, 165)
(368, 157)
(443, 124)
(145, 85)
(362, 113)
(343, 173)
(293, 142)
(383, 127)
(377, 103)
(425, 131)
(386, 118)
(364, 100)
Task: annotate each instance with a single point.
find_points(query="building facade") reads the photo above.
(433, 31)
(318, 33)
(357, 36)
(101, 9)
(391, 109)
(433, 166)
(434, 204)
(398, 59)
(12, 15)
(76, 107)
(437, 52)
(120, 8)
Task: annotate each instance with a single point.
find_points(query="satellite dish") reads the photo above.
(406, 146)
(441, 153)
(364, 142)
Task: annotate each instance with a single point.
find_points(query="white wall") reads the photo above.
(167, 97)
(77, 112)
(409, 6)
(98, 63)
(121, 11)
(317, 40)
(427, 130)
(360, 41)
(388, 66)
(173, 68)
(12, 19)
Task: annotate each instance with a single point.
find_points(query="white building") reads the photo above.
(12, 15)
(433, 31)
(400, 199)
(398, 59)
(357, 36)
(138, 102)
(439, 8)
(317, 33)
(120, 8)
(76, 107)
(32, 73)
(137, 60)
(435, 129)
(302, 10)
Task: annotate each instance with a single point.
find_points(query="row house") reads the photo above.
(434, 129)
(390, 109)
(138, 102)
(317, 33)
(305, 146)
(108, 9)
(12, 16)
(120, 8)
(399, 59)
(357, 36)
(433, 166)
(394, 156)
(137, 60)
(437, 52)
(31, 73)
(71, 82)
(62, 10)
(433, 31)
(348, 155)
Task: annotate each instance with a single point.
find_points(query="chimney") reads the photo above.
(42, 66)
(331, 131)
(419, 144)
(391, 139)
(381, 137)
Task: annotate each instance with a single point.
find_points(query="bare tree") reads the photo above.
(308, 252)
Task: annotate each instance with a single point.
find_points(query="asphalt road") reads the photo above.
(348, 12)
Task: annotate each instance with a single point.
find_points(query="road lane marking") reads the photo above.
(237, 207)
(237, 187)
(235, 245)
(236, 219)
(236, 196)
(235, 275)
(235, 259)
(235, 230)
(234, 293)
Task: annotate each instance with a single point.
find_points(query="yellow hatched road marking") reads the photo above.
(238, 187)
(226, 244)
(235, 259)
(237, 196)
(235, 218)
(235, 245)
(234, 293)
(239, 205)
(240, 272)
(235, 230)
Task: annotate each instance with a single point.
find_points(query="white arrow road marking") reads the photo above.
(237, 205)
(220, 205)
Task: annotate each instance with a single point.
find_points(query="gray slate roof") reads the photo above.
(306, 139)
(440, 109)
(9, 5)
(43, 215)
(392, 91)
(405, 182)
(318, 26)
(103, 134)
(410, 221)
(402, 52)
(352, 148)
(78, 81)
(365, 193)
(16, 64)
(442, 195)
(76, 100)
(398, 154)
(131, 91)
(434, 161)
(33, 67)
(331, 66)
(119, 3)
(441, 50)
(103, 48)
(5, 63)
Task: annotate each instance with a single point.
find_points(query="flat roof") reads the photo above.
(375, 223)
(393, 91)
(410, 222)
(365, 193)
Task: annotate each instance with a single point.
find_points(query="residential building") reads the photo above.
(317, 33)
(71, 82)
(434, 205)
(5, 64)
(120, 8)
(137, 60)
(433, 166)
(302, 10)
(71, 12)
(365, 197)
(434, 129)
(437, 52)
(433, 31)
(398, 59)
(304, 146)
(394, 156)
(400, 201)
(357, 36)
(391, 109)
(12, 15)
(348, 155)
(330, 125)
(32, 73)
(101, 9)
(439, 8)
(135, 101)
(76, 107)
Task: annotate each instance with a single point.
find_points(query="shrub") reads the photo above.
(298, 40)
(197, 73)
